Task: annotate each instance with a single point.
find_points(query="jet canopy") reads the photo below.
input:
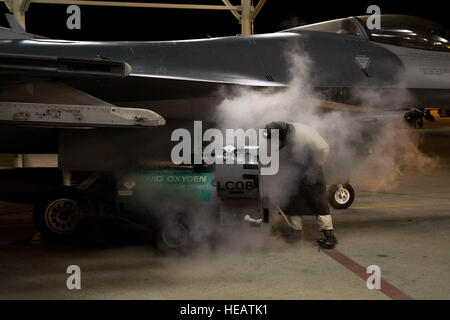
(408, 31)
(347, 26)
(400, 30)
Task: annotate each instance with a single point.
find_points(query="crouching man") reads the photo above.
(302, 154)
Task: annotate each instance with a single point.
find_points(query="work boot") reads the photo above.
(293, 236)
(329, 241)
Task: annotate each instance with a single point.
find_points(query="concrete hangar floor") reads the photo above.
(404, 231)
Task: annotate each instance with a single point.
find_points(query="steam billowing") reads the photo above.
(372, 151)
(394, 151)
(250, 108)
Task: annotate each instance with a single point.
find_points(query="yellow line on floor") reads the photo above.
(404, 205)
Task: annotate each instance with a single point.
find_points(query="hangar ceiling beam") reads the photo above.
(258, 8)
(245, 13)
(18, 9)
(234, 12)
(138, 4)
(249, 14)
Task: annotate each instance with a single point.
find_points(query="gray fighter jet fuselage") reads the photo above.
(186, 79)
(174, 70)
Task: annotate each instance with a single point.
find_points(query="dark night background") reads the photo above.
(109, 23)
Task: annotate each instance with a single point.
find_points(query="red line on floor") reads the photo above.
(387, 288)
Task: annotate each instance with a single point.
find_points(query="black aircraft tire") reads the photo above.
(341, 200)
(59, 216)
(174, 236)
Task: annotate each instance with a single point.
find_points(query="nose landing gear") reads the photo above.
(341, 196)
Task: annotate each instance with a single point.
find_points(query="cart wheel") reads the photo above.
(58, 217)
(175, 233)
(341, 196)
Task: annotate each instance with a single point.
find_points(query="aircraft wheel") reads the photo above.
(341, 196)
(59, 216)
(174, 236)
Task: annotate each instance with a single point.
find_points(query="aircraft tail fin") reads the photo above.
(15, 31)
(14, 24)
